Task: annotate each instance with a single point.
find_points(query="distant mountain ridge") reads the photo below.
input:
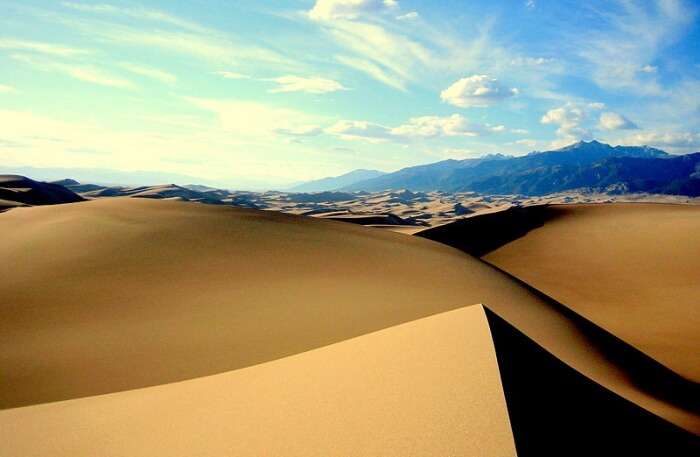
(592, 165)
(337, 182)
(421, 177)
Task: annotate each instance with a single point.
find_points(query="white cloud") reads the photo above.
(623, 40)
(313, 85)
(525, 61)
(671, 141)
(430, 126)
(42, 48)
(422, 127)
(615, 121)
(5, 89)
(81, 72)
(412, 16)
(303, 130)
(476, 91)
(192, 40)
(571, 120)
(389, 56)
(231, 75)
(530, 4)
(150, 72)
(373, 70)
(530, 143)
(349, 9)
(360, 130)
(136, 13)
(209, 47)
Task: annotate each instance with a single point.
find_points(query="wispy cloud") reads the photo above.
(137, 13)
(173, 35)
(311, 85)
(248, 118)
(620, 51)
(150, 72)
(344, 9)
(41, 47)
(86, 73)
(232, 75)
(374, 70)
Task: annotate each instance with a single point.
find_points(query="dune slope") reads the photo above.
(398, 392)
(633, 269)
(138, 293)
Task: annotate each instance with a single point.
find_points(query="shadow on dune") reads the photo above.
(644, 371)
(482, 234)
(554, 410)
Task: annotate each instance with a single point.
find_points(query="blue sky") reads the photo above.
(266, 93)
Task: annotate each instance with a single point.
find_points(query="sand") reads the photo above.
(112, 295)
(633, 269)
(399, 391)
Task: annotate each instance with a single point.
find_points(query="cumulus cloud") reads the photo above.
(349, 9)
(571, 119)
(615, 121)
(313, 85)
(476, 91)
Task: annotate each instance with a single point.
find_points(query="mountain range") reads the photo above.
(583, 165)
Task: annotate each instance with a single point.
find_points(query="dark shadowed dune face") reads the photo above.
(25, 191)
(553, 409)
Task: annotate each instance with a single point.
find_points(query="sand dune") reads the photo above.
(394, 392)
(633, 269)
(170, 291)
(18, 191)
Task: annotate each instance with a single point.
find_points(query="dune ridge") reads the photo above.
(397, 391)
